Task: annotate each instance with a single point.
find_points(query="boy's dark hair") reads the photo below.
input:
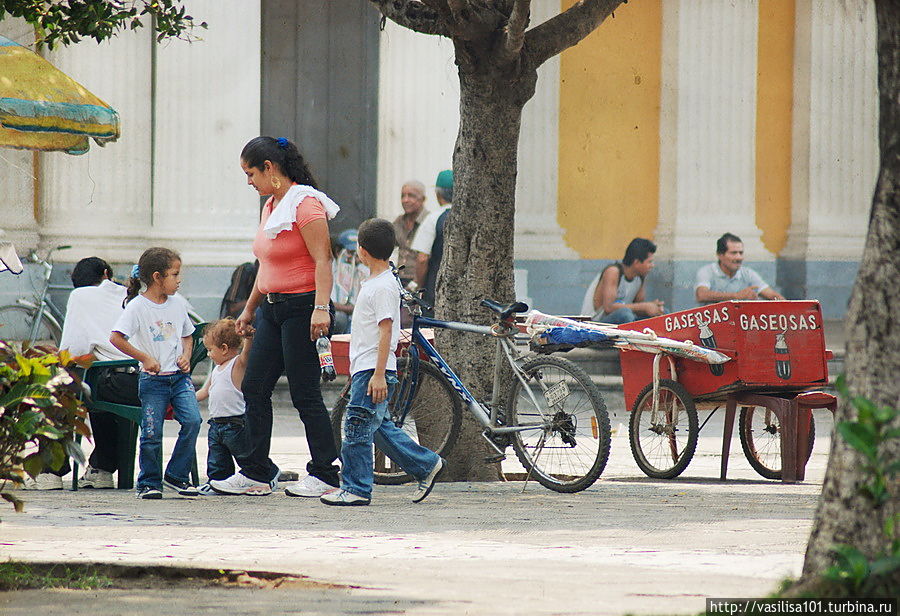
(722, 242)
(89, 272)
(377, 236)
(638, 250)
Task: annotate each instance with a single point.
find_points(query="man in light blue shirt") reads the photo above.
(728, 279)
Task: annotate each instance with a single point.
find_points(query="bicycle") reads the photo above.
(36, 321)
(551, 413)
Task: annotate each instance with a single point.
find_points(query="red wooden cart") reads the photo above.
(778, 356)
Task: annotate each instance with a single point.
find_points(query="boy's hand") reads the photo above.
(150, 365)
(377, 388)
(184, 363)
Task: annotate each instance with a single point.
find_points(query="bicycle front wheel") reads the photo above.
(433, 419)
(760, 433)
(663, 442)
(16, 326)
(569, 446)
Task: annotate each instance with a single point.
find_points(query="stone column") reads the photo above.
(207, 106)
(707, 143)
(538, 234)
(418, 113)
(835, 155)
(99, 202)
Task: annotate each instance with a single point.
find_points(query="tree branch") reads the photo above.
(568, 28)
(415, 15)
(514, 32)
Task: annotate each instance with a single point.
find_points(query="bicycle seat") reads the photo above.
(505, 311)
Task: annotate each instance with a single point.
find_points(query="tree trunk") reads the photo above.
(844, 515)
(478, 249)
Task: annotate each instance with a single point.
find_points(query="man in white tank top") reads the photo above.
(616, 295)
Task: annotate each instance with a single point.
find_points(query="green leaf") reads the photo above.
(49, 431)
(893, 468)
(74, 451)
(840, 384)
(860, 437)
(33, 465)
(892, 433)
(884, 566)
(865, 407)
(884, 414)
(17, 503)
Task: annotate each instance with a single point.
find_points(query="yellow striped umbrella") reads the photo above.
(42, 108)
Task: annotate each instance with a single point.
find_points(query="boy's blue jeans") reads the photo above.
(156, 393)
(366, 422)
(227, 442)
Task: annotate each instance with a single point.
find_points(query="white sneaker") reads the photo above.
(342, 498)
(425, 485)
(44, 481)
(97, 479)
(240, 484)
(309, 487)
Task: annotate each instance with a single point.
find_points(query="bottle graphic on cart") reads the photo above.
(782, 357)
(708, 340)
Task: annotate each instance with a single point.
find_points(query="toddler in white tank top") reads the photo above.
(227, 435)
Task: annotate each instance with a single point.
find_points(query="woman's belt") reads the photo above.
(277, 298)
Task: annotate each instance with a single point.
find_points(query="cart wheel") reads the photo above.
(663, 444)
(760, 433)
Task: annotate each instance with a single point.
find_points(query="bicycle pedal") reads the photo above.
(495, 458)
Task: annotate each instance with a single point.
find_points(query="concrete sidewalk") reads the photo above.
(627, 545)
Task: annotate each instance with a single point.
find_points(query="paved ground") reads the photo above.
(627, 545)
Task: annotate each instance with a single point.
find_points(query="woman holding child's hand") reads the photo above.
(288, 309)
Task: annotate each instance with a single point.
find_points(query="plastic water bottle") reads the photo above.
(326, 361)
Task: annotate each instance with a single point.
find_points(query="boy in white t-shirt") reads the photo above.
(373, 370)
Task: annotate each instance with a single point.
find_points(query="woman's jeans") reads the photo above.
(157, 392)
(366, 422)
(282, 345)
(227, 442)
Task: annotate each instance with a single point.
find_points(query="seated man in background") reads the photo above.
(93, 308)
(728, 278)
(617, 295)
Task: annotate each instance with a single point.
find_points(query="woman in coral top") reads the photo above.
(289, 308)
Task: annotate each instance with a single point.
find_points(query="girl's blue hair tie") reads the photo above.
(282, 142)
(135, 271)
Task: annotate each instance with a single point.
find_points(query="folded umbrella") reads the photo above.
(42, 108)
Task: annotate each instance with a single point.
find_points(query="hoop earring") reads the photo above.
(276, 183)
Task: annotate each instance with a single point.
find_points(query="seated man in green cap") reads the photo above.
(429, 240)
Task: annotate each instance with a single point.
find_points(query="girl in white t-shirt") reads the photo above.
(155, 330)
(227, 434)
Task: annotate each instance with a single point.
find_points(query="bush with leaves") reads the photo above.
(40, 414)
(856, 573)
(69, 21)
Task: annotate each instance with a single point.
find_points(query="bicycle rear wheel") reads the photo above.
(569, 451)
(16, 323)
(664, 443)
(433, 419)
(760, 433)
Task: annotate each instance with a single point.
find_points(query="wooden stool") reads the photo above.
(794, 413)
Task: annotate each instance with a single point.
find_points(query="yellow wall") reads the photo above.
(609, 132)
(774, 98)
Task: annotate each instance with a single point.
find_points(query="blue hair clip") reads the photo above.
(135, 271)
(282, 142)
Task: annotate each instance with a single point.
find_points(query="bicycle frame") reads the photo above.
(486, 416)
